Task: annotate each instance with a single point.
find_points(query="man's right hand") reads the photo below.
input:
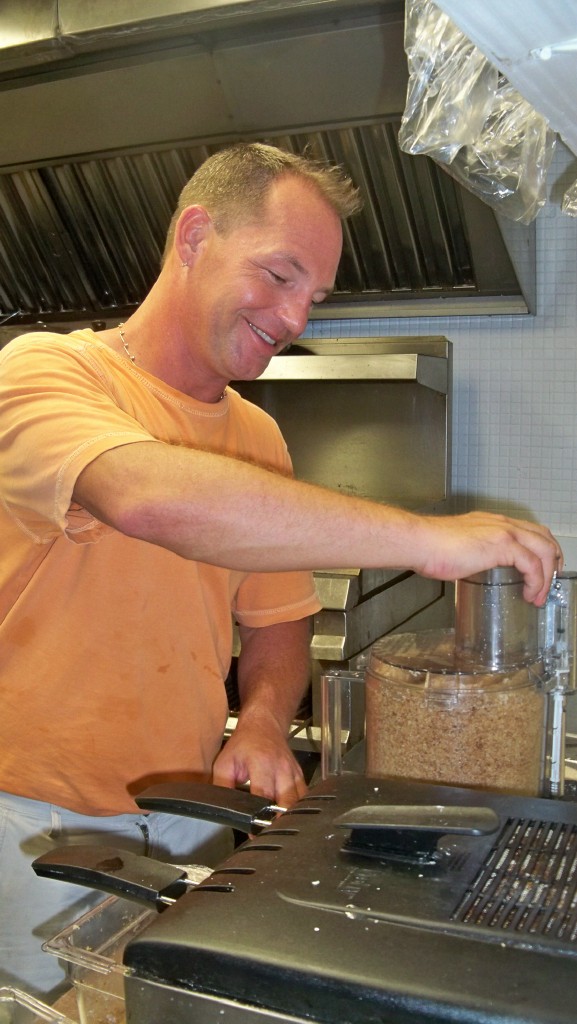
(454, 547)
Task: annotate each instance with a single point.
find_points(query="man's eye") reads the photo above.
(277, 277)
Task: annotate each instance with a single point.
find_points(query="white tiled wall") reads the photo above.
(515, 384)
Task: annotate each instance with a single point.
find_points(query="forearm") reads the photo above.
(212, 508)
(274, 671)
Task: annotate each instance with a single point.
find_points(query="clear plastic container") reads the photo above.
(17, 1007)
(428, 718)
(92, 948)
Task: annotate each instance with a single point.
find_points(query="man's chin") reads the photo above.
(254, 372)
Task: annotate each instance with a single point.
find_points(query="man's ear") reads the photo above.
(192, 228)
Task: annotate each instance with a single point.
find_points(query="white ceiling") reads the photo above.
(534, 44)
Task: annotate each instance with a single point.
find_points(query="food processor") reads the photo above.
(482, 704)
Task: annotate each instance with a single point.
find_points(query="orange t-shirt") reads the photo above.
(113, 651)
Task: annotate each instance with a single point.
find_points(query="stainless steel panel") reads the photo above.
(149, 82)
(387, 438)
(382, 440)
(338, 589)
(339, 635)
(430, 372)
(153, 1003)
(344, 588)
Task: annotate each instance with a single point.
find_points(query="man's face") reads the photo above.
(252, 288)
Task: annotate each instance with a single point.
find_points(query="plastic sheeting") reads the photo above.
(466, 116)
(569, 204)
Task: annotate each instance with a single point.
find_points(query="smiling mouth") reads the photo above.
(262, 334)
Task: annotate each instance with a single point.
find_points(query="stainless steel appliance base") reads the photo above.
(151, 1001)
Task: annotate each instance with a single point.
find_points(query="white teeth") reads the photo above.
(265, 337)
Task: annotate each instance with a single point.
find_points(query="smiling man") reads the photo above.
(144, 502)
(247, 291)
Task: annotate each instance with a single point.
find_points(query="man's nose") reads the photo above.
(295, 314)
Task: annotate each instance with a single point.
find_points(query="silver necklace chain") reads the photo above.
(125, 344)
(133, 358)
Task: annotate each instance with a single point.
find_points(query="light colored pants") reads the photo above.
(34, 909)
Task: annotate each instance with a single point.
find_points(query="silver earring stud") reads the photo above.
(184, 264)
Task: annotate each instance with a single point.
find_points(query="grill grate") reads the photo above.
(528, 883)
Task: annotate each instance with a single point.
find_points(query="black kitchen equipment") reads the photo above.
(147, 880)
(375, 900)
(115, 871)
(234, 808)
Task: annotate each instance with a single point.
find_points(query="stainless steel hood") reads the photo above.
(109, 105)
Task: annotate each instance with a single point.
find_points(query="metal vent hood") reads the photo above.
(108, 106)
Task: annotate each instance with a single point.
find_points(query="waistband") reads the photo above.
(41, 812)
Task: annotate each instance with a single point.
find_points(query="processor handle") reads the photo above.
(411, 831)
(119, 872)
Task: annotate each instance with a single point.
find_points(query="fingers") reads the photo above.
(289, 788)
(271, 769)
(282, 782)
(536, 575)
(454, 547)
(537, 555)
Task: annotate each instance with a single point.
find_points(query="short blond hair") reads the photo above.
(233, 184)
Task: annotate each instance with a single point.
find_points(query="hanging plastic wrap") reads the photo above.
(468, 118)
(451, 85)
(569, 204)
(507, 165)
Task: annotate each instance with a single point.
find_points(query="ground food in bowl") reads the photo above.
(483, 730)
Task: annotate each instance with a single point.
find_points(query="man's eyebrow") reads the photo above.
(288, 257)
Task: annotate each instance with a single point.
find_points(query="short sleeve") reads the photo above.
(264, 599)
(57, 414)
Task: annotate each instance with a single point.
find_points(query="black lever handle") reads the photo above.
(232, 807)
(401, 830)
(115, 871)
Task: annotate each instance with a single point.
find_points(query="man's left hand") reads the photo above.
(259, 753)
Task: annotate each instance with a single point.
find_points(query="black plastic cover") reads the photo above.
(115, 871)
(312, 930)
(235, 808)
